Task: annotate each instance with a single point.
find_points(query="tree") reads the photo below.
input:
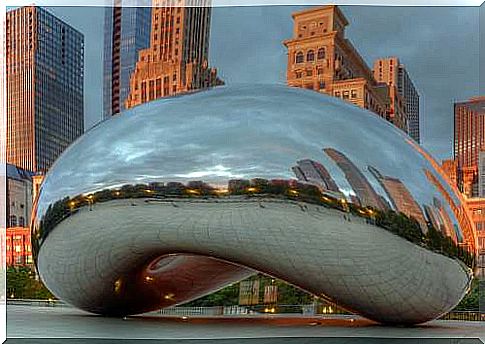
(21, 284)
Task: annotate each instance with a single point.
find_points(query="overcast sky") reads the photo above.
(438, 45)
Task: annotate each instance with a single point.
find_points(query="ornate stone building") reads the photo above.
(321, 58)
(177, 59)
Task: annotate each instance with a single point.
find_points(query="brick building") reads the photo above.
(18, 247)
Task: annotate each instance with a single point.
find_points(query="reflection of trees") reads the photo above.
(397, 223)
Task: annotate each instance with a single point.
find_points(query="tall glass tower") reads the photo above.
(126, 32)
(44, 69)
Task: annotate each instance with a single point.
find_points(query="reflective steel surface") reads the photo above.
(181, 196)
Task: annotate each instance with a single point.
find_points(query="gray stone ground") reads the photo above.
(64, 322)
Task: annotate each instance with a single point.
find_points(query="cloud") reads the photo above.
(438, 45)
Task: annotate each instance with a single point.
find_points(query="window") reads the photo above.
(299, 57)
(21, 221)
(310, 56)
(158, 88)
(320, 71)
(321, 85)
(151, 89)
(13, 221)
(309, 72)
(321, 54)
(298, 75)
(345, 94)
(353, 94)
(143, 92)
(337, 94)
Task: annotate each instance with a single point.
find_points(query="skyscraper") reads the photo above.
(364, 191)
(126, 32)
(392, 72)
(469, 140)
(44, 68)
(177, 59)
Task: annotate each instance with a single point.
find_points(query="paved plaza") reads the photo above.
(32, 323)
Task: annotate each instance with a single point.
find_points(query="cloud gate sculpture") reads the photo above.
(182, 196)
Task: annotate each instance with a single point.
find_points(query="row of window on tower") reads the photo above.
(309, 72)
(310, 55)
(14, 223)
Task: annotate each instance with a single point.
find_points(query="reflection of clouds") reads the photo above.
(240, 132)
(216, 171)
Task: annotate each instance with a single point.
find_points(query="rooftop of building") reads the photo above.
(325, 8)
(477, 102)
(15, 172)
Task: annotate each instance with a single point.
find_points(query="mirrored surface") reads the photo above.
(289, 182)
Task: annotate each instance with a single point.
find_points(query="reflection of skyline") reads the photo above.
(314, 172)
(400, 197)
(448, 228)
(459, 211)
(364, 191)
(452, 196)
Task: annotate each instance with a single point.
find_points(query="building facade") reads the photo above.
(450, 167)
(177, 59)
(18, 250)
(44, 70)
(481, 174)
(476, 207)
(321, 58)
(404, 98)
(126, 32)
(469, 141)
(19, 196)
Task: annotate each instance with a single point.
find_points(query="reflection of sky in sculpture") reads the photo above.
(236, 132)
